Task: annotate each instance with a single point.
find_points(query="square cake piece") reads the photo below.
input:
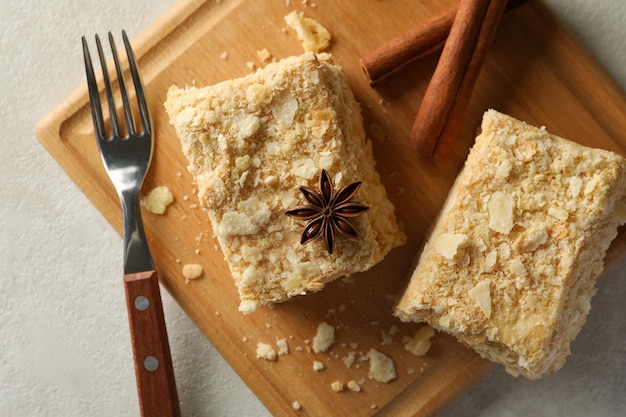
(251, 143)
(510, 264)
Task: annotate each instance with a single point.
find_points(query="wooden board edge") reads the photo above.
(48, 128)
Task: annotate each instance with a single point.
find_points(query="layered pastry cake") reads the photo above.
(510, 264)
(287, 177)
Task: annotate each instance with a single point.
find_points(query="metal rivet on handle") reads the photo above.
(151, 363)
(142, 303)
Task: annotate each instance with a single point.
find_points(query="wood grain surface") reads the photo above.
(535, 70)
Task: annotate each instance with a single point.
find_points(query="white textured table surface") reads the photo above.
(64, 345)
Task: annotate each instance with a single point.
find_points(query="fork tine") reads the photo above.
(130, 124)
(94, 95)
(115, 125)
(141, 97)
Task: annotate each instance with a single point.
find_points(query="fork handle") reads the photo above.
(153, 363)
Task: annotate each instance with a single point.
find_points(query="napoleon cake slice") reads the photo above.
(510, 265)
(251, 143)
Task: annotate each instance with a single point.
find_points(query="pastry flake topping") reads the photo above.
(328, 210)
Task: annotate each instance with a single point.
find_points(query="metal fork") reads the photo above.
(126, 157)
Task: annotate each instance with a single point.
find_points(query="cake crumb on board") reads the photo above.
(420, 343)
(192, 271)
(265, 351)
(324, 338)
(337, 386)
(313, 35)
(157, 200)
(382, 368)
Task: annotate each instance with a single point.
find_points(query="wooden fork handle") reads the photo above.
(153, 363)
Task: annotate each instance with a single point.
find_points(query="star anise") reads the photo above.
(328, 210)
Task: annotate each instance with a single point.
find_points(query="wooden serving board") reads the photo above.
(536, 71)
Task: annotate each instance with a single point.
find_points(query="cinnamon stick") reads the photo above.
(452, 83)
(422, 40)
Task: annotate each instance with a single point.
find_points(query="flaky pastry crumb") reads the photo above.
(324, 338)
(157, 200)
(313, 35)
(382, 368)
(265, 351)
(192, 271)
